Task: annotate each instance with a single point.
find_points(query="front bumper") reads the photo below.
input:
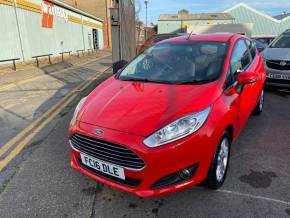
(195, 150)
(277, 78)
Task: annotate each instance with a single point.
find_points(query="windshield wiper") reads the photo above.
(195, 82)
(145, 80)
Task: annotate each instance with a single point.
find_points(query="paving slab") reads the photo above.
(31, 71)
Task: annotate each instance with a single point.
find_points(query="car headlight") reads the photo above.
(180, 128)
(77, 110)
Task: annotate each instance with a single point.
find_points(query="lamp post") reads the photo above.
(146, 5)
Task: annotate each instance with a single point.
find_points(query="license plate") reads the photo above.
(278, 76)
(103, 167)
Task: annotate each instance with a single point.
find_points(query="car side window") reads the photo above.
(240, 60)
(252, 48)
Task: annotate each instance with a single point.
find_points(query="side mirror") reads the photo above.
(119, 65)
(247, 78)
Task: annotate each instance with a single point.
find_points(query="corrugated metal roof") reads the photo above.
(201, 16)
(264, 25)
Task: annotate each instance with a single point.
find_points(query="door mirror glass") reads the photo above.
(247, 78)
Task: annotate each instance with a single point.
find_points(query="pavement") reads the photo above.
(28, 109)
(29, 72)
(40, 182)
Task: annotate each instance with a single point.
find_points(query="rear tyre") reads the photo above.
(260, 106)
(219, 166)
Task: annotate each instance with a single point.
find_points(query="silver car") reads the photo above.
(277, 61)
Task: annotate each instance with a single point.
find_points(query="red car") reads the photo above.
(167, 120)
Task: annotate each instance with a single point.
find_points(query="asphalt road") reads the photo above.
(257, 185)
(27, 105)
(23, 103)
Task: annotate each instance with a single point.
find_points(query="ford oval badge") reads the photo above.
(99, 132)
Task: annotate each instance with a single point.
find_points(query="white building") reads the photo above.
(33, 27)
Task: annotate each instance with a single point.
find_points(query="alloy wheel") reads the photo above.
(222, 160)
(261, 103)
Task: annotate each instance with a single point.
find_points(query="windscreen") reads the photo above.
(282, 41)
(178, 63)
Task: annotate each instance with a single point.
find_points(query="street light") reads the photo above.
(146, 5)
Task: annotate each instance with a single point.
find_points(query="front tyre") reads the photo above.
(260, 106)
(219, 166)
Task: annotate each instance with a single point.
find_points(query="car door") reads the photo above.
(256, 66)
(240, 61)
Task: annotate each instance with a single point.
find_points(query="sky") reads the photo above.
(157, 7)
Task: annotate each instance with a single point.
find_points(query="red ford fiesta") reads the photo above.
(167, 120)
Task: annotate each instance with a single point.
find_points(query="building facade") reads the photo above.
(262, 25)
(33, 27)
(174, 23)
(100, 9)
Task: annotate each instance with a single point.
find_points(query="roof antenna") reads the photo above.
(190, 34)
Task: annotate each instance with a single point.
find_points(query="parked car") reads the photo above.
(260, 45)
(265, 40)
(155, 39)
(277, 61)
(167, 121)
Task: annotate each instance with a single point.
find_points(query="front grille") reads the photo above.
(106, 151)
(279, 81)
(276, 64)
(128, 181)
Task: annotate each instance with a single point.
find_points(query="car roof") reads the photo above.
(216, 37)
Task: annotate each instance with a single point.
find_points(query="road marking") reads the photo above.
(18, 148)
(31, 126)
(11, 85)
(254, 196)
(41, 122)
(247, 195)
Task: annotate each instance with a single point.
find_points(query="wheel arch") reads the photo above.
(230, 130)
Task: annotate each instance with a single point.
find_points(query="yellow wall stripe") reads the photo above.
(6, 2)
(92, 24)
(29, 6)
(74, 19)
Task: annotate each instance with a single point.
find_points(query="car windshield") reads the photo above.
(282, 41)
(178, 63)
